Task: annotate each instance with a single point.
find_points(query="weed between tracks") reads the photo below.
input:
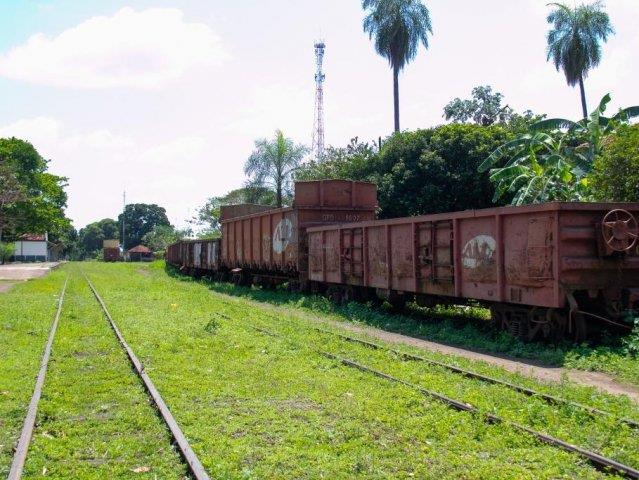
(26, 312)
(94, 419)
(465, 327)
(257, 407)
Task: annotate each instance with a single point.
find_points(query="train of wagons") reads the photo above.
(551, 270)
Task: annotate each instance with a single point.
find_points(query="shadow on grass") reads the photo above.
(464, 327)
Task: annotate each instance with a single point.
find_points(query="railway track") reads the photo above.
(20, 455)
(550, 399)
(607, 465)
(194, 465)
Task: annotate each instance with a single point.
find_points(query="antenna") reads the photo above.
(317, 149)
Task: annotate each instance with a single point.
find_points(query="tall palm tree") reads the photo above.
(273, 162)
(398, 27)
(574, 42)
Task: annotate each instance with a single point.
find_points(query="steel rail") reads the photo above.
(551, 399)
(599, 461)
(195, 466)
(20, 455)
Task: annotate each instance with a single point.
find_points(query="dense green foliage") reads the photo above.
(554, 159)
(574, 42)
(31, 199)
(161, 237)
(424, 171)
(91, 238)
(615, 176)
(398, 28)
(6, 251)
(139, 219)
(486, 108)
(273, 163)
(435, 170)
(207, 217)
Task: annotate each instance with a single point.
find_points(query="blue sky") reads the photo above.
(165, 98)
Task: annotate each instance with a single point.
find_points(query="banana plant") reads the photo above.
(552, 161)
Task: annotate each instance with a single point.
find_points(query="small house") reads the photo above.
(32, 247)
(140, 254)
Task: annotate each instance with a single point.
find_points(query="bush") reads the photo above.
(6, 251)
(616, 172)
(419, 172)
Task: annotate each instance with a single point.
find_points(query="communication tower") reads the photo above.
(317, 149)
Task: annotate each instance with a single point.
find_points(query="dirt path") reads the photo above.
(25, 271)
(5, 286)
(598, 380)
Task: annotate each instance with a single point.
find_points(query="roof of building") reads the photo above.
(32, 237)
(140, 249)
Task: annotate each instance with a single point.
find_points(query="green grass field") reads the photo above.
(256, 406)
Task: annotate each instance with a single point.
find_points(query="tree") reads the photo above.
(10, 193)
(91, 238)
(272, 164)
(615, 176)
(6, 252)
(40, 204)
(435, 170)
(161, 237)
(484, 108)
(352, 162)
(425, 171)
(398, 26)
(574, 42)
(139, 219)
(553, 160)
(207, 217)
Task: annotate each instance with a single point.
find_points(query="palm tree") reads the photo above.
(273, 163)
(574, 42)
(398, 27)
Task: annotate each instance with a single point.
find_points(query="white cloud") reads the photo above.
(48, 136)
(276, 106)
(145, 49)
(39, 130)
(101, 163)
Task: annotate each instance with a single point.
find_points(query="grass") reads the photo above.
(465, 327)
(276, 409)
(94, 420)
(254, 406)
(26, 312)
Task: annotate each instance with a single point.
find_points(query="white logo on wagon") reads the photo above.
(478, 251)
(282, 235)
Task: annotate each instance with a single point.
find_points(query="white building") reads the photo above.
(32, 248)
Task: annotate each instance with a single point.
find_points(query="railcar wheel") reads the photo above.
(620, 230)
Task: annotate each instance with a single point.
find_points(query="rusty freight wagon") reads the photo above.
(548, 270)
(268, 247)
(195, 256)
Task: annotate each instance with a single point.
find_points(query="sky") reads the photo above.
(165, 98)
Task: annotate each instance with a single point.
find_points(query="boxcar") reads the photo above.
(270, 247)
(195, 256)
(546, 270)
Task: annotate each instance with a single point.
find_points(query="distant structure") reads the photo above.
(317, 149)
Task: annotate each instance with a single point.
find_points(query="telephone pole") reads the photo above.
(123, 220)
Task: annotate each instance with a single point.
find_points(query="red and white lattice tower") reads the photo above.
(317, 149)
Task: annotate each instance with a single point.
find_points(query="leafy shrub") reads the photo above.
(616, 173)
(6, 251)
